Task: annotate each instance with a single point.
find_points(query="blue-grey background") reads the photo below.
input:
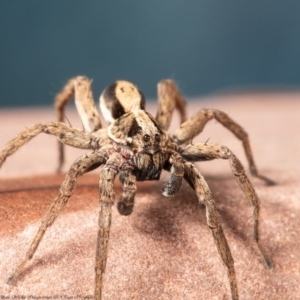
(205, 45)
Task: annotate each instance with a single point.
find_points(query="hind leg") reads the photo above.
(79, 88)
(169, 98)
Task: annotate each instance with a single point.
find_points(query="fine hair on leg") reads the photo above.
(205, 197)
(79, 88)
(126, 202)
(66, 134)
(169, 98)
(200, 151)
(193, 126)
(82, 165)
(106, 197)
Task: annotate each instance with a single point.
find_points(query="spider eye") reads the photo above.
(157, 138)
(146, 138)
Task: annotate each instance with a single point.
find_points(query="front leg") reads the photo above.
(193, 126)
(82, 165)
(173, 185)
(107, 198)
(200, 152)
(205, 197)
(65, 133)
(126, 201)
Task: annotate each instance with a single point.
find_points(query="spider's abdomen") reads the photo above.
(120, 98)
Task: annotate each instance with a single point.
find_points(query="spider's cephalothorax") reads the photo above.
(140, 132)
(137, 146)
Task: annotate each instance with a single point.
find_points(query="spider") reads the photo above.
(137, 146)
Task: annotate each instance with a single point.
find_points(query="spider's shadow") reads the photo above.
(45, 182)
(51, 259)
(162, 219)
(54, 187)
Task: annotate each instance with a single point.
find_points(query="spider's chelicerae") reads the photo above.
(137, 146)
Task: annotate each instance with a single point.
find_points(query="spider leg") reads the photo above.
(81, 166)
(107, 197)
(196, 124)
(172, 186)
(126, 201)
(198, 152)
(205, 197)
(169, 98)
(80, 88)
(66, 134)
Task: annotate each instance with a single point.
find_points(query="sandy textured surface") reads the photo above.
(164, 250)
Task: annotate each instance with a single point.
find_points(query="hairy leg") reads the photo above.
(193, 126)
(169, 98)
(126, 201)
(172, 186)
(198, 152)
(205, 197)
(82, 165)
(66, 134)
(79, 88)
(107, 198)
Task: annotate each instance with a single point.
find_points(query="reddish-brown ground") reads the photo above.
(164, 250)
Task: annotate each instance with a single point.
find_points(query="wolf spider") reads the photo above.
(137, 146)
